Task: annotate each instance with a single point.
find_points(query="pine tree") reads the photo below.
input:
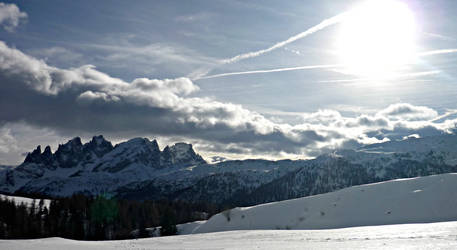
(168, 223)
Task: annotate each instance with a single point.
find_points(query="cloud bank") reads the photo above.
(10, 16)
(84, 101)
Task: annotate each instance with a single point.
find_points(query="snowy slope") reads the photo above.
(182, 229)
(18, 200)
(408, 236)
(416, 200)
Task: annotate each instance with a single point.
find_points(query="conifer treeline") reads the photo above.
(86, 218)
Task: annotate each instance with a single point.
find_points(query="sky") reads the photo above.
(258, 79)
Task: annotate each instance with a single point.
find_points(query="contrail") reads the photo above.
(321, 25)
(267, 71)
(395, 76)
(438, 52)
(448, 113)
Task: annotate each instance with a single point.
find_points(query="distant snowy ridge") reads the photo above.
(446, 144)
(138, 169)
(415, 200)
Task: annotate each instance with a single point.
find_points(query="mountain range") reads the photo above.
(138, 169)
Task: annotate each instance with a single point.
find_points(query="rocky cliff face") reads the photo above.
(113, 159)
(78, 167)
(70, 154)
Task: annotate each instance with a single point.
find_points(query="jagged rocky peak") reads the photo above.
(98, 145)
(37, 157)
(182, 153)
(34, 157)
(72, 145)
(166, 157)
(136, 151)
(37, 151)
(69, 154)
(75, 142)
(182, 147)
(138, 146)
(47, 151)
(99, 140)
(139, 142)
(47, 157)
(140, 151)
(136, 141)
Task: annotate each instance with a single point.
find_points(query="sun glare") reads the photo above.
(377, 39)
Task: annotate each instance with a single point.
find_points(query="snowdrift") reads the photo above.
(406, 236)
(415, 200)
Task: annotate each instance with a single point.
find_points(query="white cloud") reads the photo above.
(147, 58)
(322, 117)
(84, 101)
(10, 16)
(59, 54)
(411, 136)
(405, 111)
(7, 141)
(92, 96)
(18, 138)
(202, 16)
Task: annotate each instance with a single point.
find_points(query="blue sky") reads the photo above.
(281, 114)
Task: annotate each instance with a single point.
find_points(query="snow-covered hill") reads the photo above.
(416, 200)
(408, 236)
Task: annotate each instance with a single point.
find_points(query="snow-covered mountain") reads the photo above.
(347, 168)
(138, 169)
(416, 200)
(94, 167)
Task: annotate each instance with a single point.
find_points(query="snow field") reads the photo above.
(415, 200)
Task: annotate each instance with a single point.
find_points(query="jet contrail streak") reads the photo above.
(268, 71)
(395, 76)
(448, 113)
(321, 25)
(438, 52)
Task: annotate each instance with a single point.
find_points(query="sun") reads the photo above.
(377, 39)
